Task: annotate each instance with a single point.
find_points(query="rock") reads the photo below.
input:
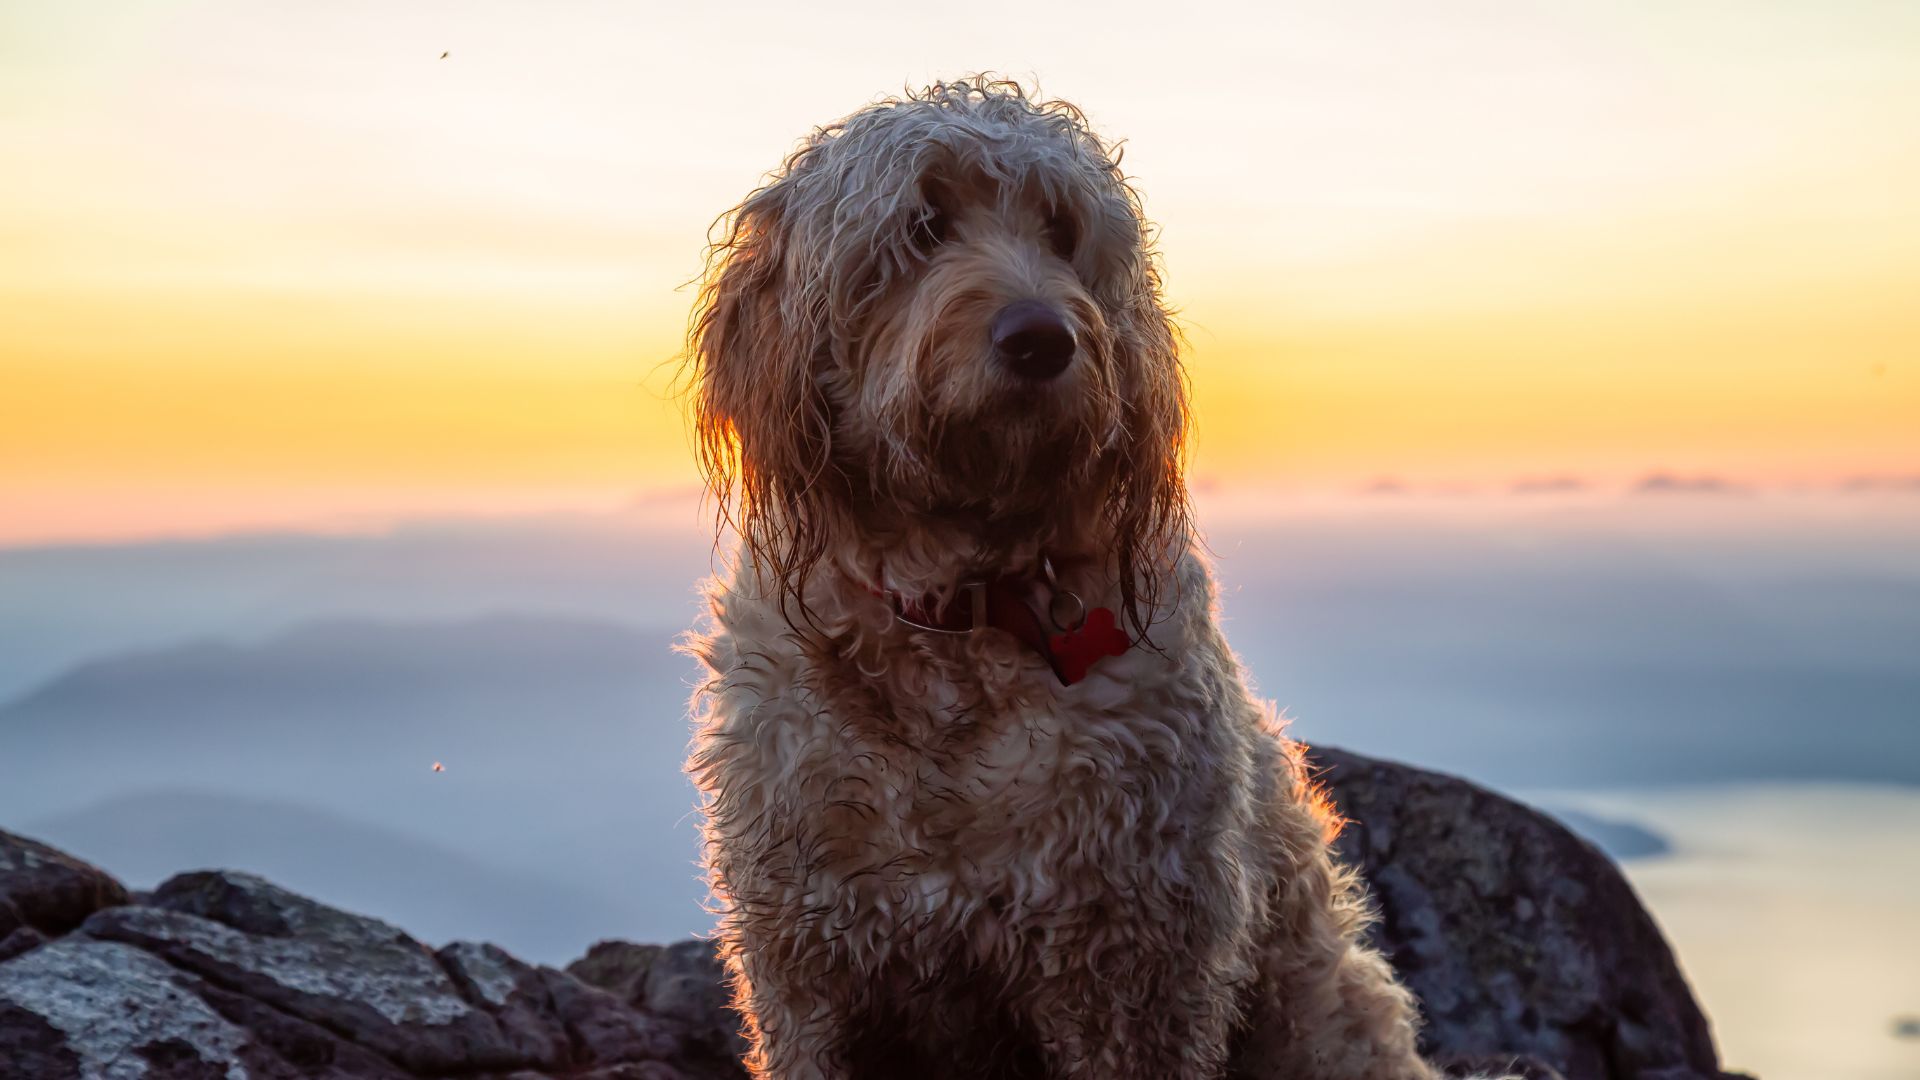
(216, 972)
(684, 981)
(349, 974)
(687, 981)
(78, 1007)
(1527, 948)
(1519, 938)
(22, 939)
(606, 1028)
(47, 890)
(618, 967)
(515, 994)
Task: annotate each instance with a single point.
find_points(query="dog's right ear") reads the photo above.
(761, 418)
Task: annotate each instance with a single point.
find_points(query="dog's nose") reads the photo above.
(1033, 340)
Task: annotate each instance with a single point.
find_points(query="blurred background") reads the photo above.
(1557, 371)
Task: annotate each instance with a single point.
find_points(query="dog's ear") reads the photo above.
(762, 419)
(1147, 509)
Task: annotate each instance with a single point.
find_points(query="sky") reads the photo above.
(271, 264)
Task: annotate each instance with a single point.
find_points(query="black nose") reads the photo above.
(1033, 340)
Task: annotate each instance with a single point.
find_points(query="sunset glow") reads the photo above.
(278, 265)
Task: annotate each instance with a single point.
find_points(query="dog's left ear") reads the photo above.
(762, 420)
(1147, 509)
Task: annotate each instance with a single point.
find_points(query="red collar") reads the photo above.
(1052, 622)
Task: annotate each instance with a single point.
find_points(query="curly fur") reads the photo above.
(929, 857)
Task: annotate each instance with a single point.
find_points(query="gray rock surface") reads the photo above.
(1521, 940)
(221, 974)
(1526, 946)
(48, 891)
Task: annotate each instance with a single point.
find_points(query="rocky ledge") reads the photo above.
(1527, 948)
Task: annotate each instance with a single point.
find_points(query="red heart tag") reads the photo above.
(1076, 650)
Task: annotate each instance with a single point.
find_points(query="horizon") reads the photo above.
(1654, 496)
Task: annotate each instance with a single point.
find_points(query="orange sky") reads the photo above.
(278, 264)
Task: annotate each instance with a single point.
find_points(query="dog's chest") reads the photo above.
(995, 801)
(928, 787)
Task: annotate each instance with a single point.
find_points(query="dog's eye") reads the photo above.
(932, 231)
(1063, 235)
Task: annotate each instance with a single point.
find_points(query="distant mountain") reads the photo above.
(435, 893)
(345, 698)
(380, 659)
(560, 742)
(1523, 642)
(60, 605)
(1600, 659)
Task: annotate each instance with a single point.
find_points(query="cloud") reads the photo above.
(1561, 484)
(1885, 482)
(1668, 483)
(1386, 485)
(1394, 487)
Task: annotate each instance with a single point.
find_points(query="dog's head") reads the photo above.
(943, 313)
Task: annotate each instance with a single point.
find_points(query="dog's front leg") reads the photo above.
(1134, 1020)
(1327, 1005)
(795, 1035)
(793, 1028)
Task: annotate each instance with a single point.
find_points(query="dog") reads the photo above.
(985, 791)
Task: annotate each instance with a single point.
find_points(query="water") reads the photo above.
(1795, 910)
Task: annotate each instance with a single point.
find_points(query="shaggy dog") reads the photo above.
(986, 794)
